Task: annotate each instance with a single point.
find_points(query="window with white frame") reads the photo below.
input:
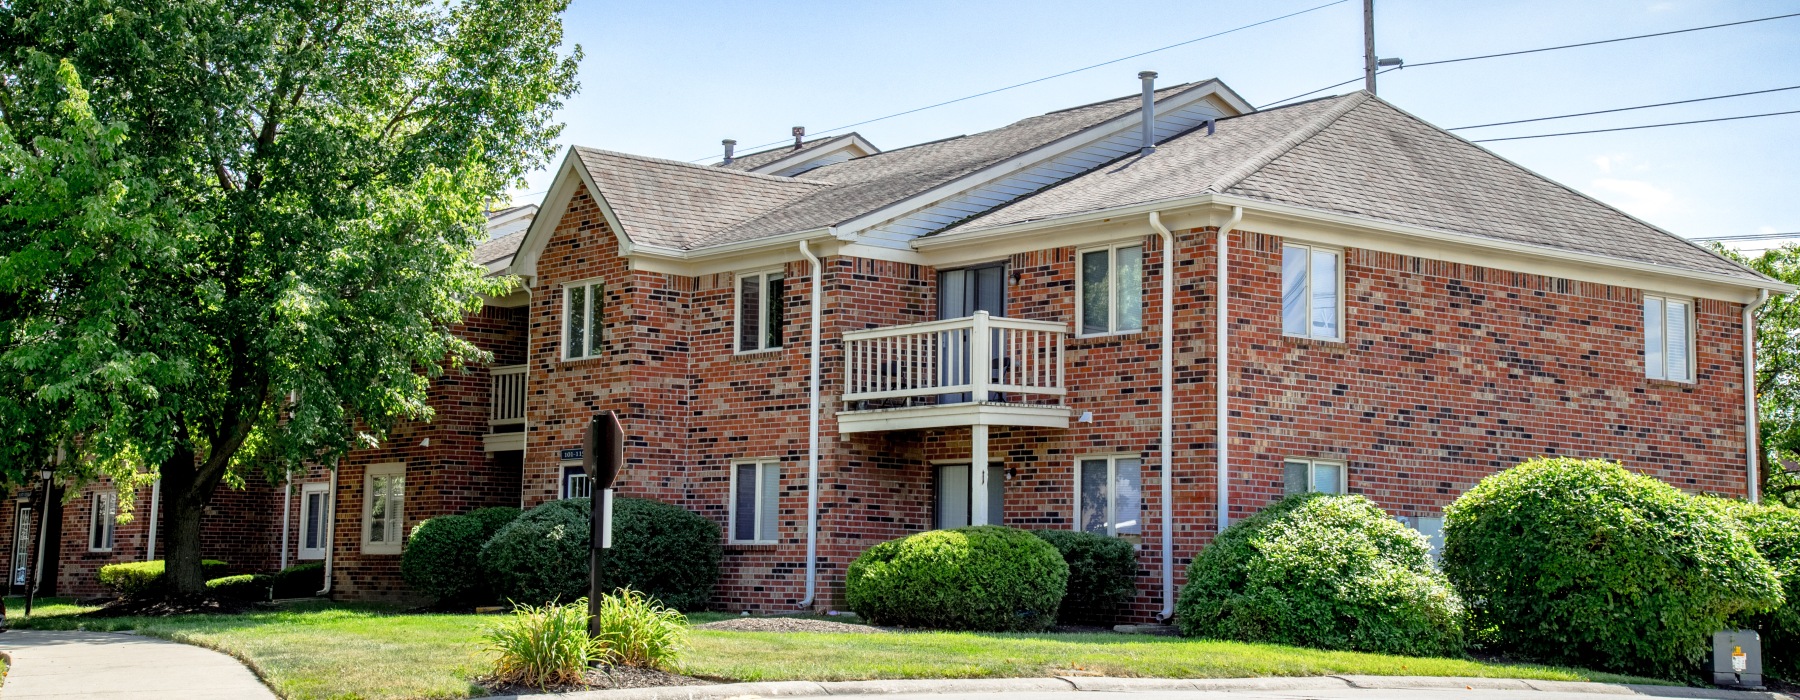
(1432, 527)
(755, 501)
(581, 320)
(384, 508)
(575, 483)
(1111, 290)
(759, 310)
(1314, 475)
(953, 500)
(1312, 281)
(1668, 338)
(1110, 490)
(314, 512)
(104, 521)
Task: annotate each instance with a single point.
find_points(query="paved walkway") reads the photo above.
(109, 666)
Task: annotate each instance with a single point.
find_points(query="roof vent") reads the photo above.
(730, 145)
(799, 135)
(1149, 78)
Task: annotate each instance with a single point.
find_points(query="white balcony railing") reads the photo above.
(943, 361)
(507, 398)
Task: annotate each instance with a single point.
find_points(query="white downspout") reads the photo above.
(155, 504)
(1222, 359)
(1752, 431)
(330, 525)
(1168, 415)
(287, 506)
(812, 431)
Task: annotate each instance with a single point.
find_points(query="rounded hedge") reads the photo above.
(493, 518)
(441, 558)
(1581, 562)
(1775, 530)
(664, 551)
(1324, 571)
(1102, 575)
(243, 587)
(137, 579)
(987, 578)
(300, 580)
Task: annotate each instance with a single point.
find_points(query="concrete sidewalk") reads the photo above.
(109, 666)
(1323, 687)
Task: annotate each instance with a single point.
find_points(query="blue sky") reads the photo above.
(672, 78)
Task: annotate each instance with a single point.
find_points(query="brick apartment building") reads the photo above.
(827, 345)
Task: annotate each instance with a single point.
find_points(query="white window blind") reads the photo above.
(952, 499)
(1311, 281)
(1111, 495)
(1314, 475)
(1668, 338)
(755, 501)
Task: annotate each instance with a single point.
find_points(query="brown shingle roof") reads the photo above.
(672, 204)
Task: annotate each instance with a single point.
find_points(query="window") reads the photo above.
(755, 494)
(384, 509)
(314, 513)
(105, 519)
(1314, 475)
(1111, 290)
(1311, 283)
(575, 483)
(759, 312)
(1111, 495)
(952, 498)
(1431, 527)
(1668, 338)
(581, 320)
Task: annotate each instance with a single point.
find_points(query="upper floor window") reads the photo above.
(759, 317)
(755, 501)
(581, 320)
(1111, 291)
(104, 522)
(1314, 475)
(1668, 338)
(1312, 281)
(384, 508)
(1111, 495)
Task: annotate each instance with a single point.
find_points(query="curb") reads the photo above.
(1092, 684)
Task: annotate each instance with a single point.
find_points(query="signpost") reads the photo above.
(602, 455)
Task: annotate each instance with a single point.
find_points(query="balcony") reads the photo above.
(506, 409)
(979, 370)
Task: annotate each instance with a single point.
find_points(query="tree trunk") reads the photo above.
(185, 493)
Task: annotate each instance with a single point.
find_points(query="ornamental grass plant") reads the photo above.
(544, 646)
(637, 630)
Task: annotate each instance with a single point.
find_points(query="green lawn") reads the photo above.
(321, 650)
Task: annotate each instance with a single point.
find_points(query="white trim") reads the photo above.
(1112, 287)
(814, 152)
(1312, 248)
(762, 318)
(960, 414)
(756, 518)
(323, 490)
(587, 287)
(103, 521)
(1112, 486)
(562, 479)
(1312, 468)
(394, 534)
(1693, 317)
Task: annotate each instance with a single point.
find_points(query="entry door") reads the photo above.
(951, 498)
(314, 510)
(961, 293)
(21, 552)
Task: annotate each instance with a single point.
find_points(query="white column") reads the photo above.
(978, 474)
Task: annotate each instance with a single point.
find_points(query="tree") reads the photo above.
(1777, 373)
(235, 234)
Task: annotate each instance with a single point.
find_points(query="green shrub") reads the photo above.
(987, 578)
(300, 580)
(245, 587)
(544, 646)
(670, 554)
(1775, 530)
(493, 518)
(1315, 570)
(637, 631)
(1583, 563)
(441, 558)
(140, 578)
(1102, 575)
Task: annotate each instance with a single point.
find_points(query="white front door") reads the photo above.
(314, 511)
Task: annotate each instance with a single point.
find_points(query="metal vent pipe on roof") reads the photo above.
(799, 136)
(1149, 78)
(730, 145)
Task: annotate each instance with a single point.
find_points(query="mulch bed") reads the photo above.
(786, 624)
(164, 607)
(603, 678)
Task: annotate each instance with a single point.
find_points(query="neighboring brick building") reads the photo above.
(1405, 314)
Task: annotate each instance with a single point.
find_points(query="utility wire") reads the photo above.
(1047, 77)
(1327, 87)
(1625, 109)
(1644, 126)
(1749, 237)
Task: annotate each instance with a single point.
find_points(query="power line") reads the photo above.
(1602, 41)
(1644, 126)
(1749, 237)
(1327, 87)
(1047, 77)
(1625, 109)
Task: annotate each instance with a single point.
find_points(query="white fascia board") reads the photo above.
(1130, 120)
(831, 145)
(762, 252)
(572, 172)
